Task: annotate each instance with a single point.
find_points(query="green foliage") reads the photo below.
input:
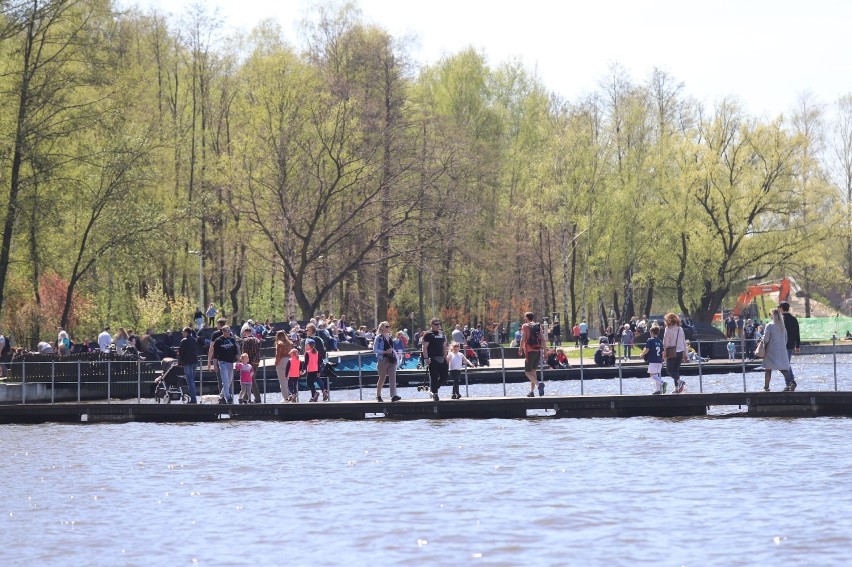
(337, 173)
(151, 308)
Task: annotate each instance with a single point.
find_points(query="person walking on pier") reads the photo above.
(187, 356)
(385, 361)
(283, 346)
(312, 366)
(321, 349)
(776, 357)
(654, 351)
(530, 350)
(732, 350)
(456, 361)
(293, 370)
(226, 352)
(794, 341)
(245, 371)
(674, 343)
(435, 356)
(251, 347)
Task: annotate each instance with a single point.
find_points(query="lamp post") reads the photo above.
(200, 278)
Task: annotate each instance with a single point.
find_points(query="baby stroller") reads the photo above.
(328, 370)
(170, 386)
(484, 355)
(470, 354)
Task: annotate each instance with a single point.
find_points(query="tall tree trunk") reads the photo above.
(17, 154)
(238, 283)
(649, 298)
(573, 276)
(34, 257)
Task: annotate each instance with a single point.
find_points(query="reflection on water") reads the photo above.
(503, 492)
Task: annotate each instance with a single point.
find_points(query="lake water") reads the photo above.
(714, 490)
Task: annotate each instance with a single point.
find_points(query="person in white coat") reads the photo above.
(775, 356)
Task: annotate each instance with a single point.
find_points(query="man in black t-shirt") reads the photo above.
(435, 352)
(220, 324)
(226, 351)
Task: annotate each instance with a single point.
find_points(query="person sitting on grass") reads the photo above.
(551, 359)
(561, 358)
(604, 355)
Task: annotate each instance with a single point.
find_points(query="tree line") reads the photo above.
(330, 172)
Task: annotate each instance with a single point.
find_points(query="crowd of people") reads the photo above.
(301, 352)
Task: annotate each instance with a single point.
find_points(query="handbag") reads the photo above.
(760, 349)
(671, 351)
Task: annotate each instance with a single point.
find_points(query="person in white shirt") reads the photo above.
(104, 340)
(457, 360)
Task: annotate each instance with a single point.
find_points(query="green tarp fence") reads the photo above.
(822, 328)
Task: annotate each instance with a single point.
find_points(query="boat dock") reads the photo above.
(759, 404)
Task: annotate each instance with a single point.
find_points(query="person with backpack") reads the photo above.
(530, 350)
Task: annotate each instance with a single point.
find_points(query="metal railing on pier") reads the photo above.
(56, 379)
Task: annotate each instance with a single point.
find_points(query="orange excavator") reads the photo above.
(752, 292)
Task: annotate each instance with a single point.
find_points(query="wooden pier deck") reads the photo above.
(761, 404)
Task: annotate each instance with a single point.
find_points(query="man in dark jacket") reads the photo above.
(791, 324)
(188, 359)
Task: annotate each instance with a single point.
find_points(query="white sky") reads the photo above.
(764, 52)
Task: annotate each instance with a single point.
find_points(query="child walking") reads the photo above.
(627, 341)
(245, 370)
(732, 350)
(457, 360)
(312, 366)
(293, 371)
(654, 350)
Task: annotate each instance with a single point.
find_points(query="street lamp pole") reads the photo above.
(200, 278)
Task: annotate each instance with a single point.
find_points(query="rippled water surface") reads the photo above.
(722, 491)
